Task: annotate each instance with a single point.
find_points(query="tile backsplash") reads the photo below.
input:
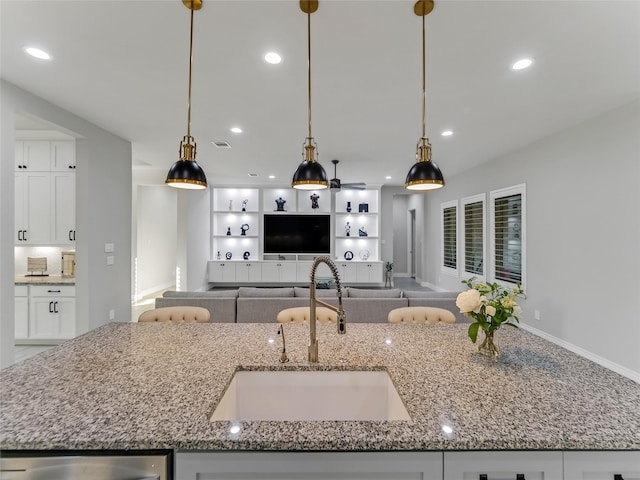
(53, 254)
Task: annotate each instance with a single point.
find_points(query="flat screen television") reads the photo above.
(297, 233)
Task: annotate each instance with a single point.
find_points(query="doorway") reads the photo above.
(411, 240)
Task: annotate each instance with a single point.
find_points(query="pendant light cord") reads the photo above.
(309, 68)
(424, 82)
(190, 63)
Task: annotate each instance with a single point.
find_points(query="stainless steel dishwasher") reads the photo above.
(64, 465)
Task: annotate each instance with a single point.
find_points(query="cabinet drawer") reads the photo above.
(21, 291)
(53, 290)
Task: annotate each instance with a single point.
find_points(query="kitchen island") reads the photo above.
(154, 386)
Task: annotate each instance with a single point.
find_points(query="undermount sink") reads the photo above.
(310, 396)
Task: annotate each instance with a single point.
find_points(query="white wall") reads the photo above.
(194, 238)
(157, 238)
(103, 213)
(583, 232)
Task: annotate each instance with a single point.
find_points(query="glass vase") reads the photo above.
(488, 347)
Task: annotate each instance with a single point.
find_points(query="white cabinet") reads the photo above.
(52, 312)
(279, 272)
(369, 272)
(248, 272)
(222, 272)
(45, 196)
(21, 312)
(63, 156)
(348, 272)
(493, 465)
(601, 465)
(32, 208)
(317, 465)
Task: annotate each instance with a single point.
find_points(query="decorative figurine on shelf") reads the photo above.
(347, 230)
(362, 232)
(363, 208)
(230, 205)
(218, 257)
(280, 204)
(244, 205)
(243, 229)
(245, 255)
(228, 231)
(314, 201)
(348, 207)
(228, 255)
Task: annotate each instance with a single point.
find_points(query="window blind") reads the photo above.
(449, 238)
(508, 241)
(474, 238)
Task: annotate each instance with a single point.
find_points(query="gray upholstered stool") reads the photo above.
(178, 314)
(426, 315)
(301, 314)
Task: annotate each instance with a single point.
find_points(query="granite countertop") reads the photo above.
(44, 280)
(147, 386)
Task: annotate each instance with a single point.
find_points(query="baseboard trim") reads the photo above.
(624, 371)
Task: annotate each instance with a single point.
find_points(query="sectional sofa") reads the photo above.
(261, 305)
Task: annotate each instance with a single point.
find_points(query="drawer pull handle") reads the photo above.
(53, 291)
(519, 476)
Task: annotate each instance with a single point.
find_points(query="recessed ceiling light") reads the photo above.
(447, 133)
(522, 64)
(236, 129)
(272, 177)
(273, 58)
(37, 53)
(388, 177)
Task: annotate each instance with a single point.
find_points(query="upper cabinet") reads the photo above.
(44, 192)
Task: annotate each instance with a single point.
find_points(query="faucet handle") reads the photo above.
(342, 321)
(283, 356)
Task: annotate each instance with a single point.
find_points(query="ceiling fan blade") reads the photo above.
(355, 186)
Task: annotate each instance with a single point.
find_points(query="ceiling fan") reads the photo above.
(336, 185)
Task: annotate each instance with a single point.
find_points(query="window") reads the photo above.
(508, 235)
(473, 219)
(450, 237)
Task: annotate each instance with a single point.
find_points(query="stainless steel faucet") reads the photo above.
(342, 319)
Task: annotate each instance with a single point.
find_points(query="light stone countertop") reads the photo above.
(44, 280)
(148, 386)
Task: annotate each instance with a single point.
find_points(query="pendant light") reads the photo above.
(310, 175)
(186, 173)
(424, 174)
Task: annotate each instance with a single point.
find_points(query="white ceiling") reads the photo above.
(123, 65)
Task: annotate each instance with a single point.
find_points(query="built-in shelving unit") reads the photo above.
(237, 234)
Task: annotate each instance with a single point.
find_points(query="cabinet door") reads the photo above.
(36, 189)
(222, 272)
(288, 272)
(37, 155)
(21, 317)
(369, 272)
(20, 207)
(19, 156)
(502, 465)
(348, 273)
(316, 465)
(248, 272)
(63, 192)
(601, 465)
(52, 317)
(63, 155)
(271, 271)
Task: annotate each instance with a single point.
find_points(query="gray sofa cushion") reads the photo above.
(222, 309)
(374, 293)
(257, 292)
(207, 294)
(265, 310)
(423, 294)
(371, 310)
(320, 292)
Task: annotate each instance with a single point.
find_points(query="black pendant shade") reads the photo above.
(186, 174)
(424, 176)
(309, 175)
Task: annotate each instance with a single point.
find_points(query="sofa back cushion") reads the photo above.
(428, 294)
(374, 293)
(320, 292)
(258, 292)
(207, 294)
